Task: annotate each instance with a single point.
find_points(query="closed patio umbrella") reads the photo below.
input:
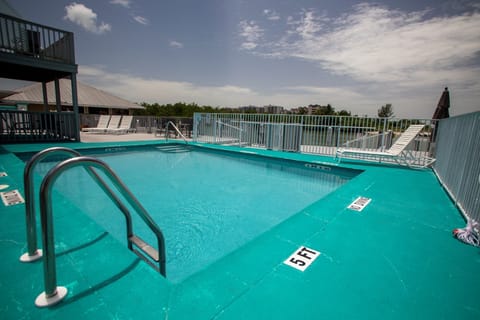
(443, 105)
(441, 112)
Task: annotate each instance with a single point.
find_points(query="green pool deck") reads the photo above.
(396, 259)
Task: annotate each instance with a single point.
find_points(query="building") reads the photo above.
(273, 109)
(265, 109)
(250, 109)
(90, 100)
(33, 52)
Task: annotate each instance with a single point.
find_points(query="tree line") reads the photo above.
(179, 109)
(182, 109)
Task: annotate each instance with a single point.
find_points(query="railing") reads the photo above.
(24, 126)
(370, 141)
(170, 123)
(53, 294)
(144, 124)
(458, 163)
(33, 253)
(309, 134)
(23, 37)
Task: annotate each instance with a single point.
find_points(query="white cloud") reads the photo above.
(363, 100)
(86, 18)
(404, 58)
(271, 15)
(126, 4)
(251, 34)
(176, 44)
(141, 20)
(375, 44)
(123, 3)
(139, 89)
(308, 26)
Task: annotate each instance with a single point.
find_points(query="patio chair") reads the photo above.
(124, 127)
(397, 153)
(113, 124)
(102, 124)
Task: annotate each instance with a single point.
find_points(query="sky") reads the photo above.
(354, 55)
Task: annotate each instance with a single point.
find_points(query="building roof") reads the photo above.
(88, 96)
(7, 9)
(6, 93)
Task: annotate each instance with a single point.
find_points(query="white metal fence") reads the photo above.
(458, 161)
(454, 142)
(309, 134)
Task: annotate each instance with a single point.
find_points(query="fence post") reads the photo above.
(338, 131)
(383, 133)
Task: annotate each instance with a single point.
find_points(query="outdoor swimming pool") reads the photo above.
(208, 203)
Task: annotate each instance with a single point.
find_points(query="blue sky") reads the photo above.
(355, 55)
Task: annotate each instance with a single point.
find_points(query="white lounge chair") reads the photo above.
(124, 126)
(102, 124)
(396, 154)
(113, 124)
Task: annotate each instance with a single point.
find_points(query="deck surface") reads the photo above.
(396, 259)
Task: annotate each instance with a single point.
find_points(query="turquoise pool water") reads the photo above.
(207, 203)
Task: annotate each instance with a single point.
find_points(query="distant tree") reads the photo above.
(182, 109)
(302, 110)
(329, 110)
(320, 110)
(386, 111)
(344, 113)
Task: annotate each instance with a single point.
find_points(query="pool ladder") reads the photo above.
(53, 293)
(170, 123)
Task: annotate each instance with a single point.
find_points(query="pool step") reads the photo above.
(174, 148)
(148, 250)
(145, 252)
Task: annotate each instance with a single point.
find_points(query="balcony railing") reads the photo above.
(26, 38)
(23, 126)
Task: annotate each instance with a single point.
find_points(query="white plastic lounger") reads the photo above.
(397, 152)
(124, 126)
(113, 124)
(101, 125)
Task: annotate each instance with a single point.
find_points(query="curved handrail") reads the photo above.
(176, 129)
(33, 253)
(47, 223)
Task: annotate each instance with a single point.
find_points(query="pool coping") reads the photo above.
(218, 291)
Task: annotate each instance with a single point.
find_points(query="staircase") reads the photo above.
(174, 148)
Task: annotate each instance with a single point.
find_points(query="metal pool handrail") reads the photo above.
(176, 129)
(33, 253)
(53, 294)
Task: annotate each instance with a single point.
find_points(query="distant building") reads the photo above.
(313, 108)
(317, 109)
(299, 110)
(273, 109)
(250, 109)
(294, 111)
(265, 109)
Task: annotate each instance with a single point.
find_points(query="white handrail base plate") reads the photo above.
(44, 301)
(30, 258)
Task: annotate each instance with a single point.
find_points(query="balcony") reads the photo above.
(34, 52)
